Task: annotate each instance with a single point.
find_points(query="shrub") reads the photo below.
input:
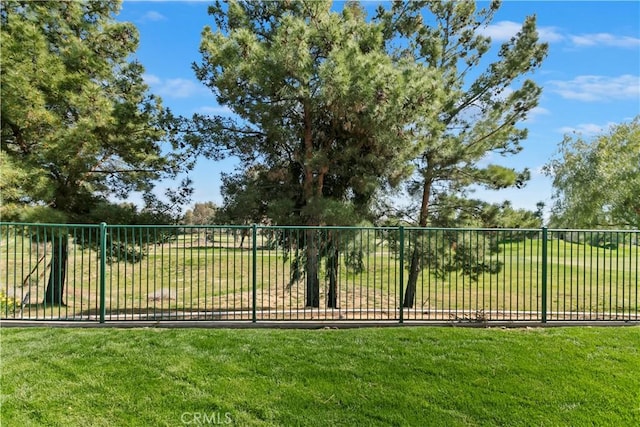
(8, 305)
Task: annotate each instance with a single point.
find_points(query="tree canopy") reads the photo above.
(323, 113)
(79, 126)
(597, 180)
(201, 214)
(483, 103)
(452, 211)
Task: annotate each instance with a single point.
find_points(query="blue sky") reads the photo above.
(590, 79)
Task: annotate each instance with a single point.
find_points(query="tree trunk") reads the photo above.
(414, 267)
(332, 272)
(55, 285)
(313, 283)
(414, 270)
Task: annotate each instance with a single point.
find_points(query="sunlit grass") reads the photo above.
(358, 377)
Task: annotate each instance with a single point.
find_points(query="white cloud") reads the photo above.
(181, 88)
(152, 16)
(503, 31)
(150, 79)
(550, 34)
(587, 129)
(540, 111)
(175, 88)
(537, 112)
(215, 110)
(605, 39)
(598, 88)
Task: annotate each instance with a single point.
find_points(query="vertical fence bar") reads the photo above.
(254, 272)
(544, 274)
(637, 269)
(5, 313)
(22, 263)
(267, 247)
(103, 269)
(401, 273)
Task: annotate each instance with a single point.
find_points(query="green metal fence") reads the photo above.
(110, 273)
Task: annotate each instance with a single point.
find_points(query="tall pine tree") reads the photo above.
(484, 102)
(323, 113)
(78, 123)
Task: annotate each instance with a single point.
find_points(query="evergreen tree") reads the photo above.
(482, 105)
(78, 124)
(323, 113)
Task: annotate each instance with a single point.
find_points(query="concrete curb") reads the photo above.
(303, 325)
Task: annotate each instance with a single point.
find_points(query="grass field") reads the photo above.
(358, 377)
(199, 277)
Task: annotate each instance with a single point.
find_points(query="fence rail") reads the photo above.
(110, 273)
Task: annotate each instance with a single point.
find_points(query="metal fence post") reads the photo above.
(103, 269)
(544, 274)
(254, 272)
(401, 256)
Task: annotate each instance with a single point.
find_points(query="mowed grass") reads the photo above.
(357, 377)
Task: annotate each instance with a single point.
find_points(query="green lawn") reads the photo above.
(359, 377)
